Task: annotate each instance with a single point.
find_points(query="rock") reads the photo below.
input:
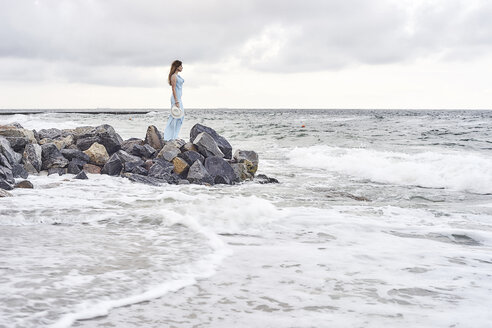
(207, 146)
(144, 179)
(49, 133)
(70, 154)
(5, 185)
(148, 164)
(224, 145)
(183, 182)
(250, 158)
(127, 158)
(181, 167)
(140, 170)
(86, 142)
(9, 153)
(145, 151)
(188, 146)
(178, 143)
(6, 175)
(191, 156)
(4, 193)
(57, 170)
(81, 176)
(5, 162)
(64, 142)
(32, 158)
(198, 174)
(97, 154)
(127, 145)
(262, 178)
(108, 138)
(77, 161)
(52, 157)
(168, 152)
(73, 168)
(25, 184)
(241, 172)
(154, 138)
(113, 166)
(93, 169)
(17, 136)
(18, 171)
(163, 172)
(220, 170)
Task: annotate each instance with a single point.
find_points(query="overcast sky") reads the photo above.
(247, 54)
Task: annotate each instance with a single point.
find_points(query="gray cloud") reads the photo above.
(76, 39)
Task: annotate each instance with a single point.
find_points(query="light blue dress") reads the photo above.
(174, 124)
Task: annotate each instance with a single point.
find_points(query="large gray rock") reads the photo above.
(17, 143)
(18, 171)
(127, 145)
(145, 151)
(206, 145)
(248, 157)
(220, 170)
(168, 152)
(84, 143)
(224, 145)
(198, 174)
(75, 153)
(178, 143)
(32, 158)
(241, 172)
(73, 168)
(5, 162)
(113, 166)
(7, 180)
(57, 170)
(49, 133)
(17, 136)
(9, 153)
(191, 156)
(108, 138)
(81, 176)
(52, 157)
(154, 138)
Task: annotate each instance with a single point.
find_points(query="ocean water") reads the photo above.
(381, 218)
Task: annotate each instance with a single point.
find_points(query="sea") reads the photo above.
(381, 218)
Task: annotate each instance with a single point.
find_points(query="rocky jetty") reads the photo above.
(207, 158)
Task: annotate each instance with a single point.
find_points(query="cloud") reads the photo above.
(79, 40)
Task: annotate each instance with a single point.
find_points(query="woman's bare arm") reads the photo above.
(173, 85)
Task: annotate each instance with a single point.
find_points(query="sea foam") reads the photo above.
(464, 171)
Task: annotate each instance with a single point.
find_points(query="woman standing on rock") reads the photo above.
(175, 119)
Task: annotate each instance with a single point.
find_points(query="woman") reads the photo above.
(176, 82)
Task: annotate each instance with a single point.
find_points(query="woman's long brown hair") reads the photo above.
(174, 67)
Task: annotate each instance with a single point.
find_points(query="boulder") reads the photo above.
(188, 146)
(5, 162)
(52, 157)
(127, 158)
(7, 180)
(93, 169)
(81, 176)
(207, 146)
(113, 166)
(5, 185)
(140, 170)
(168, 152)
(144, 179)
(108, 138)
(17, 136)
(98, 154)
(127, 145)
(70, 154)
(145, 151)
(73, 168)
(263, 179)
(4, 193)
(77, 161)
(25, 184)
(241, 172)
(57, 170)
(49, 133)
(181, 167)
(178, 143)
(64, 142)
(159, 171)
(250, 158)
(224, 145)
(85, 143)
(154, 138)
(198, 174)
(32, 158)
(191, 156)
(9, 153)
(148, 164)
(220, 170)
(18, 171)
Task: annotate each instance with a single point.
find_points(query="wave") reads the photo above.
(464, 171)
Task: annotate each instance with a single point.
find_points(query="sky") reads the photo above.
(389, 54)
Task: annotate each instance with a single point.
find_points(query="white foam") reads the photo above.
(466, 171)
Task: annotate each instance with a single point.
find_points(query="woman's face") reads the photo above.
(180, 68)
